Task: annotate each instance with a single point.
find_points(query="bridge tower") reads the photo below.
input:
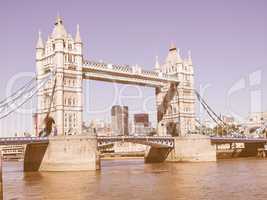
(61, 54)
(181, 108)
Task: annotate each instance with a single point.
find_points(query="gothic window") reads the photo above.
(70, 121)
(66, 120)
(73, 101)
(74, 120)
(54, 46)
(70, 46)
(69, 101)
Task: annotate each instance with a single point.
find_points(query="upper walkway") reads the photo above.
(125, 74)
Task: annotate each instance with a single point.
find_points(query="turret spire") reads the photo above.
(157, 66)
(40, 44)
(78, 36)
(173, 47)
(189, 57)
(59, 31)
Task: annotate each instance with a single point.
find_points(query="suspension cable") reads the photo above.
(17, 93)
(28, 95)
(208, 109)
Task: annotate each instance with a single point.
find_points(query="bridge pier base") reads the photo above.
(156, 155)
(192, 148)
(251, 149)
(71, 153)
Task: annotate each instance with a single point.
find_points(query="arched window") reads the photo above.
(69, 101)
(70, 121)
(70, 47)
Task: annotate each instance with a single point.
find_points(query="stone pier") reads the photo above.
(192, 148)
(251, 149)
(156, 155)
(63, 153)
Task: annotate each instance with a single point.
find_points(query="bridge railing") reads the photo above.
(134, 70)
(22, 140)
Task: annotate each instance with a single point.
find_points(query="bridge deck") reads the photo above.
(223, 140)
(157, 142)
(22, 140)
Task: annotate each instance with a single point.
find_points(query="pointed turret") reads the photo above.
(78, 36)
(59, 31)
(174, 54)
(189, 58)
(40, 44)
(157, 65)
(178, 55)
(173, 47)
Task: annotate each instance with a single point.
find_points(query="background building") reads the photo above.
(119, 120)
(97, 127)
(255, 121)
(141, 125)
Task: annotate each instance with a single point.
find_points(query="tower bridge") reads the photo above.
(63, 54)
(61, 58)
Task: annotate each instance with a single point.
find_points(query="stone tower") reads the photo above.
(181, 107)
(61, 54)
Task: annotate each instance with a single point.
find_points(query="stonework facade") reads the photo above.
(62, 55)
(181, 108)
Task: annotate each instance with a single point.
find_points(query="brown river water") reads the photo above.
(132, 179)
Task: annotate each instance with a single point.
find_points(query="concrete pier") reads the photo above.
(34, 154)
(192, 148)
(251, 149)
(71, 153)
(63, 153)
(156, 155)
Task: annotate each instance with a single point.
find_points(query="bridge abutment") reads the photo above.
(71, 153)
(192, 148)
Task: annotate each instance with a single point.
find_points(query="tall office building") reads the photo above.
(141, 118)
(119, 120)
(142, 126)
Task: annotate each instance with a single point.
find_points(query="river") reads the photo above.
(132, 179)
